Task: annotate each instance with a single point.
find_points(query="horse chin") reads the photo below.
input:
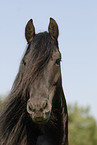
(41, 119)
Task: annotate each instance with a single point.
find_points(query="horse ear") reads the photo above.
(29, 31)
(53, 29)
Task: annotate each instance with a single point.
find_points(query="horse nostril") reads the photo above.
(30, 108)
(44, 105)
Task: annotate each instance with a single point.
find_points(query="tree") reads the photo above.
(82, 126)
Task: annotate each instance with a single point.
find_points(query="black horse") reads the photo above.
(35, 112)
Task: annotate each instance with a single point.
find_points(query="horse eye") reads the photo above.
(58, 61)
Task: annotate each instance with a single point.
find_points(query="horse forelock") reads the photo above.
(36, 58)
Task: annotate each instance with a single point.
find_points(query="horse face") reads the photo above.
(42, 91)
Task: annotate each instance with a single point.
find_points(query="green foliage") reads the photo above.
(82, 126)
(2, 101)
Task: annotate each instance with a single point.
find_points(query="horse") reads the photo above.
(35, 112)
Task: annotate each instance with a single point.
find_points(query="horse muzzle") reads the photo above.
(39, 110)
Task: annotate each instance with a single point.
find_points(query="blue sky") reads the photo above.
(77, 21)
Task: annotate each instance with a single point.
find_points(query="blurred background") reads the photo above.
(77, 21)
